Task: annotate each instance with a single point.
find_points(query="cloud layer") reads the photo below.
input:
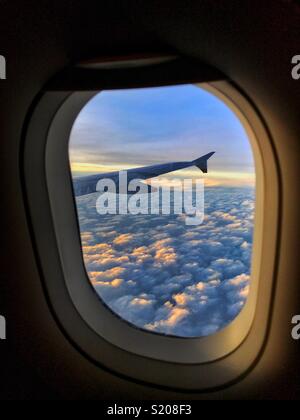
(161, 275)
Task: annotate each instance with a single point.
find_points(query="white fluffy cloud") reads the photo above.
(166, 277)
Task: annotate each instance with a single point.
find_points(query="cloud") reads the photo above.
(166, 277)
(174, 317)
(164, 255)
(112, 283)
(97, 276)
(123, 239)
(140, 301)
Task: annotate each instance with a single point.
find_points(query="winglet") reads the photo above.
(201, 163)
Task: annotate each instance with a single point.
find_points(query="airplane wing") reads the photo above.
(88, 184)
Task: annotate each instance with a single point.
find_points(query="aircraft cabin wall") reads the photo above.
(252, 44)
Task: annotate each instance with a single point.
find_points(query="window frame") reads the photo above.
(173, 362)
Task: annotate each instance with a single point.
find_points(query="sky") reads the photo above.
(123, 129)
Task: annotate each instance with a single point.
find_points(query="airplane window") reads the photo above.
(164, 184)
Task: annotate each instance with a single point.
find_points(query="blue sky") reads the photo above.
(126, 128)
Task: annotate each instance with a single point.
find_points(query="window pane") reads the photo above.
(156, 270)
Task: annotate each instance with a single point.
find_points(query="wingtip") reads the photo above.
(208, 156)
(201, 163)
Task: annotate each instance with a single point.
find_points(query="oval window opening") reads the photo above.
(166, 224)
